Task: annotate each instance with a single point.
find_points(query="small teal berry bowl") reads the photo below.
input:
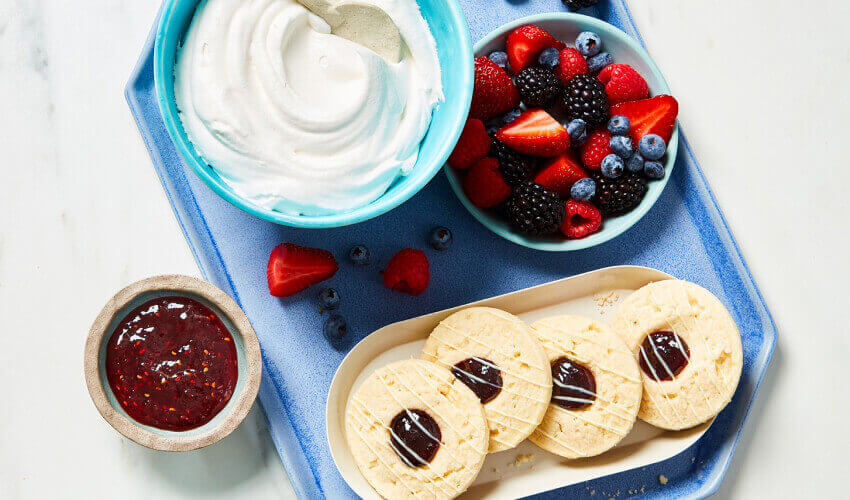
(566, 26)
(454, 49)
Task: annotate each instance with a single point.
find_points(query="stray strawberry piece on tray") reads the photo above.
(536, 133)
(656, 115)
(474, 144)
(582, 218)
(525, 43)
(408, 272)
(623, 83)
(560, 174)
(293, 268)
(484, 184)
(493, 92)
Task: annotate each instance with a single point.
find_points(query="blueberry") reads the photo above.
(511, 116)
(578, 131)
(335, 327)
(359, 255)
(612, 166)
(441, 238)
(618, 125)
(622, 145)
(583, 189)
(652, 147)
(588, 43)
(599, 61)
(635, 163)
(499, 57)
(549, 57)
(329, 299)
(653, 170)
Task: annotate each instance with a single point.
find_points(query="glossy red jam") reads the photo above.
(171, 363)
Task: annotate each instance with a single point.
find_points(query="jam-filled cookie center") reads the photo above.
(574, 386)
(481, 375)
(663, 355)
(415, 437)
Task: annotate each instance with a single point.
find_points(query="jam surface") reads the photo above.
(574, 386)
(171, 363)
(480, 375)
(415, 437)
(667, 353)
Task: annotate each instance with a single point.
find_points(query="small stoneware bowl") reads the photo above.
(247, 356)
(625, 49)
(454, 49)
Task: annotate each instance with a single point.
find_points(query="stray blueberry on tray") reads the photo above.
(635, 163)
(335, 327)
(588, 43)
(622, 146)
(653, 170)
(583, 189)
(359, 255)
(596, 63)
(549, 57)
(499, 58)
(578, 131)
(329, 299)
(652, 147)
(618, 125)
(575, 5)
(612, 166)
(441, 238)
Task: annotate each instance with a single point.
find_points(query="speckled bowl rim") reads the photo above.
(241, 402)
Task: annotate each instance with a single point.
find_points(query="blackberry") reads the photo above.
(533, 209)
(516, 168)
(620, 195)
(585, 98)
(538, 87)
(579, 4)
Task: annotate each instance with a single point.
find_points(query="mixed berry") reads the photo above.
(560, 137)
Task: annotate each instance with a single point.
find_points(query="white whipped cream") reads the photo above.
(299, 120)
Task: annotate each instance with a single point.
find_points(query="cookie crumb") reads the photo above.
(662, 479)
(605, 300)
(495, 470)
(521, 459)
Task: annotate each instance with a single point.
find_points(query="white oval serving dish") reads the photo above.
(526, 469)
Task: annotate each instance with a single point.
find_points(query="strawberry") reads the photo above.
(623, 83)
(293, 268)
(571, 63)
(581, 219)
(656, 115)
(408, 272)
(525, 43)
(493, 93)
(559, 174)
(484, 184)
(595, 149)
(474, 144)
(535, 132)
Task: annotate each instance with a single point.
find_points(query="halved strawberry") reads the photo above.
(473, 144)
(293, 268)
(525, 43)
(561, 173)
(535, 132)
(656, 115)
(493, 92)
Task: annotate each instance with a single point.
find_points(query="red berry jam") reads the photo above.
(574, 386)
(171, 363)
(663, 355)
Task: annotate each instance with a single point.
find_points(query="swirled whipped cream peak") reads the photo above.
(299, 120)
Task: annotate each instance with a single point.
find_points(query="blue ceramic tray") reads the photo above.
(684, 234)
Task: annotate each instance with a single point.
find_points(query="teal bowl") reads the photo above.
(454, 49)
(566, 26)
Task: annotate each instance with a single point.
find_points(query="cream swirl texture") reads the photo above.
(297, 119)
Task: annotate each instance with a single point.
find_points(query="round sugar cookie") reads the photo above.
(596, 387)
(494, 353)
(416, 431)
(688, 348)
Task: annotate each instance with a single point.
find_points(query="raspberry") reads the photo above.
(474, 143)
(484, 184)
(571, 63)
(623, 83)
(408, 272)
(533, 209)
(538, 87)
(581, 219)
(620, 195)
(585, 98)
(596, 149)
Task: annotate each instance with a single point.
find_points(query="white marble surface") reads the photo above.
(763, 101)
